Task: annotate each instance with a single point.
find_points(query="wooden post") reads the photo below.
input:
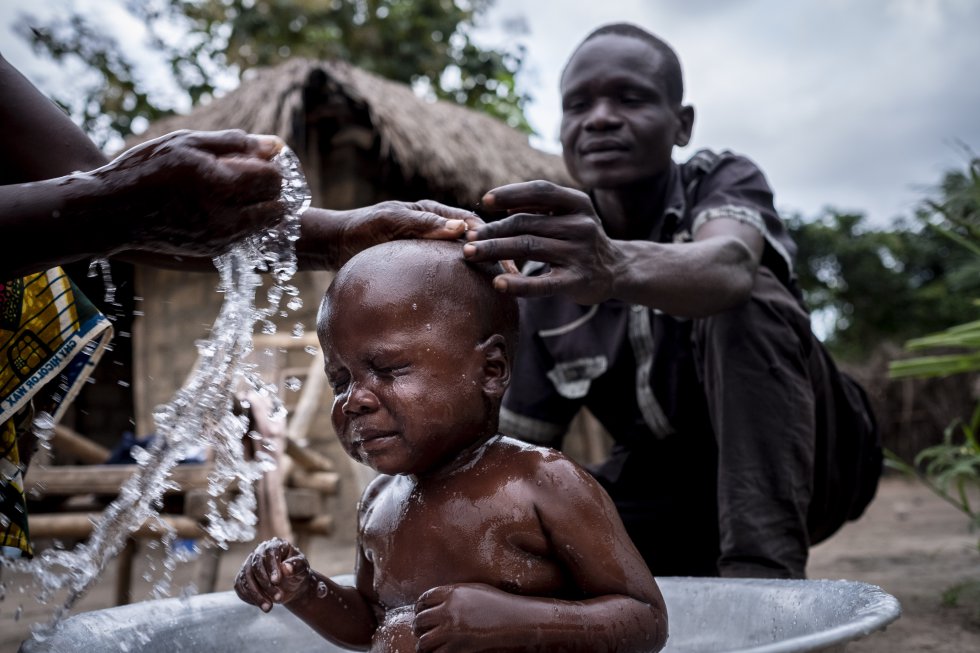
(78, 525)
(270, 489)
(124, 572)
(209, 565)
(78, 446)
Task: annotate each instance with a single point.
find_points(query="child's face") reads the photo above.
(408, 381)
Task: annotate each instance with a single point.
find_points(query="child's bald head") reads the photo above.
(430, 276)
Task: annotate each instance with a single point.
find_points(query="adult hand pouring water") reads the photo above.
(185, 194)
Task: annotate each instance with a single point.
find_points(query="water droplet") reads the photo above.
(274, 295)
(293, 384)
(43, 427)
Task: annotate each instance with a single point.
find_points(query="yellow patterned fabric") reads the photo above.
(51, 337)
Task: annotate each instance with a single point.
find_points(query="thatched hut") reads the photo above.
(362, 139)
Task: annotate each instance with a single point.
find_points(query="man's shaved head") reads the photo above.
(671, 66)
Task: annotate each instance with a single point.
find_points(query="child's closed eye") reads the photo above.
(338, 382)
(389, 369)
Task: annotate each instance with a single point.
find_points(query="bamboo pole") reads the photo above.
(65, 480)
(77, 446)
(79, 525)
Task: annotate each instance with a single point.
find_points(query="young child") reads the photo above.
(468, 540)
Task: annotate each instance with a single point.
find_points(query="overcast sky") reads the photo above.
(856, 104)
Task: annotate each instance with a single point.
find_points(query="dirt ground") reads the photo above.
(909, 542)
(919, 549)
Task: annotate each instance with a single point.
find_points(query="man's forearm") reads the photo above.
(685, 280)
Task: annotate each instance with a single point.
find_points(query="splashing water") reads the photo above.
(200, 415)
(101, 266)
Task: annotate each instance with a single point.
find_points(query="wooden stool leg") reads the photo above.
(124, 574)
(210, 563)
(302, 541)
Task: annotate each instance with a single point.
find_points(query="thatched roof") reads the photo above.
(454, 149)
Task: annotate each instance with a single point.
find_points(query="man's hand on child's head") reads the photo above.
(554, 225)
(276, 572)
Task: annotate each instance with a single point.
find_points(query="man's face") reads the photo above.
(618, 126)
(406, 380)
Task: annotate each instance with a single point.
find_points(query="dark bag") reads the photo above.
(849, 458)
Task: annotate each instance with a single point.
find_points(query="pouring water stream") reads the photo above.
(199, 416)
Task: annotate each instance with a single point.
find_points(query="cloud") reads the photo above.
(845, 103)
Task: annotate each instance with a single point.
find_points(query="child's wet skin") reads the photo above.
(468, 540)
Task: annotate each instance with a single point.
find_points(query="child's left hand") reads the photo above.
(464, 617)
(276, 572)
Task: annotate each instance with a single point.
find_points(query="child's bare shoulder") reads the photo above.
(381, 488)
(548, 467)
(562, 491)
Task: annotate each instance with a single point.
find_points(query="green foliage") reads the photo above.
(956, 219)
(965, 337)
(426, 43)
(963, 595)
(952, 468)
(892, 284)
(110, 104)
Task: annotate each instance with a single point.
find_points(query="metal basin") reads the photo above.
(705, 614)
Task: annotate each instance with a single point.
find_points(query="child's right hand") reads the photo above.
(275, 572)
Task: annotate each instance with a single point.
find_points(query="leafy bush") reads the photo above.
(951, 468)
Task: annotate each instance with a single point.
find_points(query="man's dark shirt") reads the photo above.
(636, 371)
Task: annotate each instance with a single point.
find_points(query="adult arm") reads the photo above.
(328, 238)
(559, 226)
(187, 193)
(38, 139)
(621, 608)
(172, 204)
